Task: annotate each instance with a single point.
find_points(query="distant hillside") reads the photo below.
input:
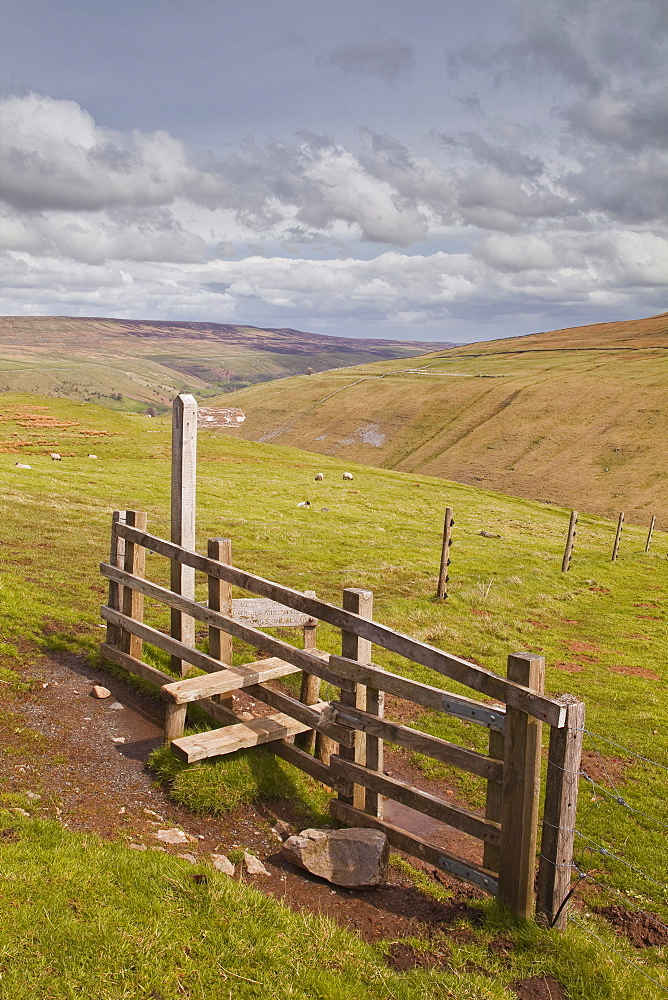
(134, 364)
(578, 417)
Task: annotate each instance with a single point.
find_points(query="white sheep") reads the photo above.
(22, 465)
(319, 477)
(90, 455)
(54, 456)
(347, 475)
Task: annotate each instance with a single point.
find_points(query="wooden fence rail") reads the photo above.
(348, 732)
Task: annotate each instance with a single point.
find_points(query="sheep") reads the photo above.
(304, 503)
(347, 475)
(22, 465)
(54, 456)
(90, 455)
(319, 477)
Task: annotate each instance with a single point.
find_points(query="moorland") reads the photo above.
(141, 364)
(574, 417)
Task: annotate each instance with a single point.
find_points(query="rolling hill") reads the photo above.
(136, 364)
(577, 417)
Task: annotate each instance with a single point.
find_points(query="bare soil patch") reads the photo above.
(403, 956)
(635, 672)
(569, 668)
(644, 930)
(538, 988)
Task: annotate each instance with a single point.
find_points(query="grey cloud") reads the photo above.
(386, 60)
(507, 159)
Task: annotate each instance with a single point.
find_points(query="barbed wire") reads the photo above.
(608, 888)
(599, 849)
(619, 746)
(616, 797)
(619, 954)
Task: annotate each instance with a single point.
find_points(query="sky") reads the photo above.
(442, 170)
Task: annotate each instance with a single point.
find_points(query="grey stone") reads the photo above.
(352, 858)
(116, 706)
(253, 865)
(222, 863)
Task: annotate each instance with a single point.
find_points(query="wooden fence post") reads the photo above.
(649, 534)
(360, 602)
(493, 801)
(618, 537)
(521, 787)
(184, 471)
(310, 687)
(568, 551)
(220, 599)
(132, 603)
(559, 816)
(117, 559)
(443, 577)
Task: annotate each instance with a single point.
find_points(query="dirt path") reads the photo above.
(88, 765)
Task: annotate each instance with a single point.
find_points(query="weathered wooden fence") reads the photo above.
(348, 731)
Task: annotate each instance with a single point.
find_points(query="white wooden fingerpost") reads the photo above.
(184, 471)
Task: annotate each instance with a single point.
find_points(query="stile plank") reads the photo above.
(423, 802)
(360, 602)
(493, 685)
(183, 488)
(218, 742)
(317, 717)
(229, 679)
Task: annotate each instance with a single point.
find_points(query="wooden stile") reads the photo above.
(618, 537)
(443, 576)
(520, 796)
(494, 797)
(310, 686)
(570, 539)
(559, 816)
(484, 681)
(184, 473)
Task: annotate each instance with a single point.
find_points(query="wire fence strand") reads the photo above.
(619, 954)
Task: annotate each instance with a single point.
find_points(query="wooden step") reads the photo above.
(217, 742)
(229, 679)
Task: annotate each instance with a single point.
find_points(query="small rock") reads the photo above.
(20, 811)
(118, 739)
(488, 534)
(100, 692)
(137, 847)
(116, 706)
(122, 811)
(151, 812)
(281, 830)
(188, 857)
(246, 716)
(173, 836)
(253, 865)
(352, 858)
(33, 796)
(222, 863)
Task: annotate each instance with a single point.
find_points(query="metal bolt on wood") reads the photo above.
(568, 551)
(443, 575)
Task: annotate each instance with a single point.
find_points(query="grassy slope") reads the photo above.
(147, 363)
(576, 417)
(381, 531)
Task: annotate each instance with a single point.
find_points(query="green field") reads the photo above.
(602, 628)
(574, 417)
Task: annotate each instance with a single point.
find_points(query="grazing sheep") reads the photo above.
(347, 475)
(304, 503)
(54, 456)
(22, 465)
(91, 455)
(319, 477)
